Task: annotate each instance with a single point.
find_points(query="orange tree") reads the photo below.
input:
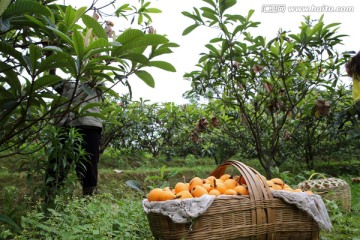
(265, 82)
(43, 43)
(164, 128)
(315, 133)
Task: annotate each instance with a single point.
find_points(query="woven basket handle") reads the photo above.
(314, 174)
(258, 190)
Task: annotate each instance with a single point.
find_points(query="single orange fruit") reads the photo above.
(286, 186)
(166, 195)
(208, 186)
(276, 187)
(225, 177)
(269, 183)
(230, 192)
(219, 180)
(154, 194)
(211, 178)
(278, 181)
(220, 186)
(230, 183)
(198, 191)
(169, 189)
(180, 186)
(241, 189)
(184, 194)
(206, 181)
(194, 182)
(214, 192)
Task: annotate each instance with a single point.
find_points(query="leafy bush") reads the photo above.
(101, 217)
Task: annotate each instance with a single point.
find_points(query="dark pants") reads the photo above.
(86, 168)
(358, 108)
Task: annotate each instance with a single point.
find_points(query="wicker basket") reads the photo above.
(331, 189)
(259, 216)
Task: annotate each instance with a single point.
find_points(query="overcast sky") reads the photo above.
(170, 86)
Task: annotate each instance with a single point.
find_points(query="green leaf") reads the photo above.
(7, 49)
(147, 17)
(35, 54)
(98, 30)
(235, 17)
(239, 28)
(8, 104)
(136, 57)
(5, 93)
(160, 51)
(135, 185)
(146, 77)
(140, 18)
(98, 43)
(100, 76)
(46, 81)
(143, 7)
(88, 106)
(190, 29)
(12, 78)
(250, 13)
(226, 4)
(69, 17)
(295, 37)
(316, 28)
(94, 54)
(97, 67)
(19, 8)
(128, 35)
(206, 9)
(6, 219)
(62, 35)
(52, 48)
(122, 9)
(141, 41)
(153, 10)
(39, 23)
(78, 44)
(4, 25)
(52, 62)
(330, 26)
(163, 65)
(189, 15)
(215, 40)
(94, 114)
(3, 5)
(210, 14)
(213, 49)
(210, 2)
(79, 13)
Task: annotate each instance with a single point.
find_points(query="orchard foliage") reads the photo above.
(43, 43)
(265, 95)
(273, 84)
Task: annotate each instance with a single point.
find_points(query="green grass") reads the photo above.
(117, 211)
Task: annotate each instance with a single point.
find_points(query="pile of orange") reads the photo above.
(278, 184)
(225, 185)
